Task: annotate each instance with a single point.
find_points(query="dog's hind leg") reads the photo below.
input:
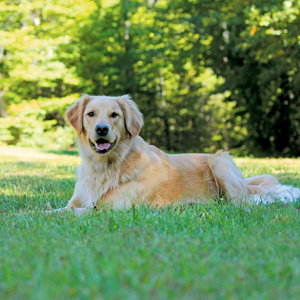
(257, 189)
(266, 188)
(269, 180)
(231, 182)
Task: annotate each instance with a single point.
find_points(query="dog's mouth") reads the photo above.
(102, 145)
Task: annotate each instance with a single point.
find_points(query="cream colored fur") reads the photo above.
(135, 172)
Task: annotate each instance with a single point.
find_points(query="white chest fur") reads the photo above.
(94, 183)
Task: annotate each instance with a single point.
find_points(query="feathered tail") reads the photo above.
(256, 190)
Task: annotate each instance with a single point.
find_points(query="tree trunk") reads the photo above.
(3, 112)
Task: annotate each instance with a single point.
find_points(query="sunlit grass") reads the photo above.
(211, 251)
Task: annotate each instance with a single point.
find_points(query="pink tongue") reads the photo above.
(103, 146)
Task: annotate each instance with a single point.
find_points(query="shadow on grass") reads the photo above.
(29, 166)
(34, 192)
(62, 152)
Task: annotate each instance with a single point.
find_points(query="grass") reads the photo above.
(212, 251)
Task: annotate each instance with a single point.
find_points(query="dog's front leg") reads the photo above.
(78, 210)
(75, 205)
(84, 198)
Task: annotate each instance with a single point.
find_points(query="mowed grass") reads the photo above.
(209, 251)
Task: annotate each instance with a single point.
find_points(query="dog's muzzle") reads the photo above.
(102, 145)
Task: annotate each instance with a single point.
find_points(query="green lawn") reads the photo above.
(212, 251)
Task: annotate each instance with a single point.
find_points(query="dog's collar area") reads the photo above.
(102, 146)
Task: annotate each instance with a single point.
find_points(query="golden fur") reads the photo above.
(135, 172)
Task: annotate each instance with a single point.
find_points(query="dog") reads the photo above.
(120, 169)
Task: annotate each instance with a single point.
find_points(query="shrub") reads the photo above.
(38, 123)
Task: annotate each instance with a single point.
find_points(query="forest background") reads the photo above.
(207, 75)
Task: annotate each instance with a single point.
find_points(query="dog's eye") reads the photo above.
(91, 114)
(113, 115)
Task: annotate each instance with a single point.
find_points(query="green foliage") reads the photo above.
(206, 75)
(38, 124)
(255, 47)
(30, 65)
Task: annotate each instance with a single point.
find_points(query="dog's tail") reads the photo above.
(267, 189)
(258, 189)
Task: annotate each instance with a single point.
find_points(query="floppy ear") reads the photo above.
(75, 112)
(133, 117)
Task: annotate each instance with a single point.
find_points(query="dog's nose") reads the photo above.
(101, 129)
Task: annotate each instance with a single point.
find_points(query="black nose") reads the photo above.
(101, 129)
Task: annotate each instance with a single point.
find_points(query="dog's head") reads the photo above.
(105, 121)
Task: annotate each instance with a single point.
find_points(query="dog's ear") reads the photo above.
(75, 112)
(133, 117)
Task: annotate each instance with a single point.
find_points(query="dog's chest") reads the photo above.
(95, 181)
(100, 182)
(105, 181)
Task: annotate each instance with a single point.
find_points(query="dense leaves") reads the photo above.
(206, 74)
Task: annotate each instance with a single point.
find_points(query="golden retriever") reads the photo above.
(120, 168)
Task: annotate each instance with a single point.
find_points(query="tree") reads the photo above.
(139, 48)
(255, 48)
(30, 67)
